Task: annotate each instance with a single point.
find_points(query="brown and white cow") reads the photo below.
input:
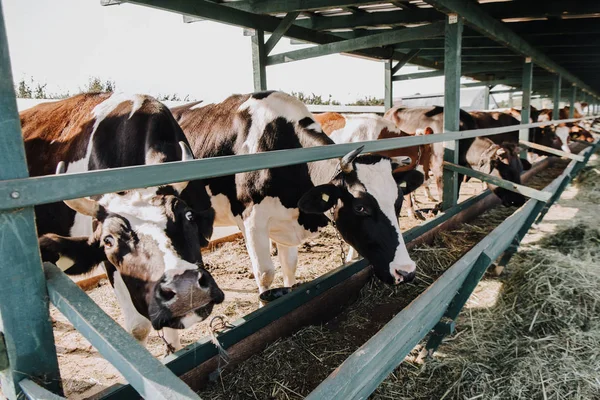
(290, 204)
(349, 128)
(566, 130)
(480, 153)
(148, 239)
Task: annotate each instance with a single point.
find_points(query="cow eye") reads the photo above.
(360, 209)
(189, 216)
(109, 241)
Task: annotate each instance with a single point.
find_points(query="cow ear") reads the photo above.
(73, 255)
(409, 181)
(319, 199)
(205, 220)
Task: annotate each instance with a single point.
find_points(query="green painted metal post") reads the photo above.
(510, 100)
(556, 97)
(389, 89)
(486, 98)
(24, 316)
(259, 60)
(572, 102)
(526, 103)
(452, 72)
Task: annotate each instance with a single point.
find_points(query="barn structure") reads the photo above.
(548, 48)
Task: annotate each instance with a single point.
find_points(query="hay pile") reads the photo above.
(541, 340)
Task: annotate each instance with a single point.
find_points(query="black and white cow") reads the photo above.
(148, 239)
(290, 204)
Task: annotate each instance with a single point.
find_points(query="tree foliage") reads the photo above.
(315, 99)
(367, 101)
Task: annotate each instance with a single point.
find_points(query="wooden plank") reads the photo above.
(365, 42)
(24, 316)
(388, 100)
(514, 187)
(551, 150)
(464, 71)
(281, 29)
(35, 392)
(477, 18)
(405, 60)
(48, 189)
(259, 58)
(452, 73)
(150, 378)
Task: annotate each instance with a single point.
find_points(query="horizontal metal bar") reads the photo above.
(513, 187)
(150, 378)
(33, 391)
(24, 192)
(551, 150)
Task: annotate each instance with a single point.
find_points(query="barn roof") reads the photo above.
(561, 37)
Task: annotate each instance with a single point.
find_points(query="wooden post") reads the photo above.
(259, 60)
(526, 102)
(556, 97)
(389, 89)
(24, 316)
(572, 103)
(510, 100)
(452, 72)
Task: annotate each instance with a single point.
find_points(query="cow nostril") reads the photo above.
(166, 294)
(203, 280)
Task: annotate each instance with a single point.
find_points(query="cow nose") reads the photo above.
(401, 276)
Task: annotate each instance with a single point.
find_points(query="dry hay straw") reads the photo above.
(541, 340)
(292, 367)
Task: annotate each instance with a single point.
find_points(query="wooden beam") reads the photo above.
(405, 60)
(281, 29)
(388, 101)
(375, 40)
(556, 96)
(476, 17)
(465, 71)
(452, 73)
(24, 317)
(572, 101)
(286, 6)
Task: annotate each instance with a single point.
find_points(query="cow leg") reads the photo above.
(256, 233)
(428, 190)
(135, 323)
(172, 337)
(410, 206)
(288, 257)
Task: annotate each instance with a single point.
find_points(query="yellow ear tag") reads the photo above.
(325, 197)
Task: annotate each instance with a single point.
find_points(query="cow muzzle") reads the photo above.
(177, 297)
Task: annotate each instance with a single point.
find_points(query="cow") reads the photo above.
(349, 128)
(359, 194)
(148, 239)
(480, 153)
(566, 130)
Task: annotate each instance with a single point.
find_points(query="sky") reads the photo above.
(65, 42)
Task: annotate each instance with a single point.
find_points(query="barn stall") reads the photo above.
(28, 358)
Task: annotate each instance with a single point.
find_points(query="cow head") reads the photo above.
(152, 239)
(364, 200)
(504, 162)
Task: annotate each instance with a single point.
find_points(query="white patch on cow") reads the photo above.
(544, 118)
(172, 337)
(147, 219)
(103, 110)
(135, 323)
(361, 127)
(155, 157)
(82, 226)
(190, 319)
(266, 110)
(563, 133)
(64, 263)
(222, 206)
(380, 183)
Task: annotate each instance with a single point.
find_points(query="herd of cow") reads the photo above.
(149, 240)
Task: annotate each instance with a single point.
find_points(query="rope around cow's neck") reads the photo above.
(337, 234)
